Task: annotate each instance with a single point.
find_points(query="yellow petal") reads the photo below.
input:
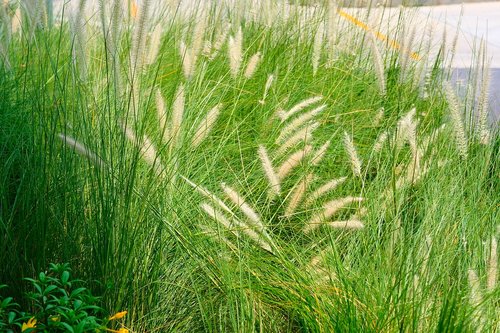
(118, 315)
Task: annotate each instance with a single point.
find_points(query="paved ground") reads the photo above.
(478, 20)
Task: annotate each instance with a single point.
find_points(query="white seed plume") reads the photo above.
(207, 48)
(219, 217)
(161, 111)
(332, 30)
(320, 153)
(379, 65)
(329, 186)
(492, 266)
(245, 208)
(154, 44)
(329, 209)
(177, 113)
(272, 177)
(198, 37)
(187, 60)
(16, 21)
(79, 36)
(407, 131)
(139, 39)
(219, 41)
(252, 65)
(235, 52)
(347, 224)
(292, 161)
(298, 122)
(206, 126)
(379, 116)
(305, 134)
(475, 286)
(456, 120)
(317, 48)
(353, 155)
(80, 148)
(297, 194)
(209, 195)
(484, 133)
(269, 82)
(150, 155)
(405, 53)
(379, 143)
(299, 107)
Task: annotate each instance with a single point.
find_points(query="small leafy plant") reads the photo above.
(58, 303)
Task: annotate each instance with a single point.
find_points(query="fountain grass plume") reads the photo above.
(252, 65)
(161, 111)
(320, 153)
(240, 227)
(81, 149)
(209, 195)
(492, 266)
(235, 50)
(206, 126)
(456, 120)
(243, 206)
(347, 224)
(137, 56)
(293, 161)
(154, 44)
(303, 135)
(297, 123)
(353, 155)
(267, 86)
(187, 60)
(284, 115)
(317, 48)
(483, 105)
(297, 194)
(378, 65)
(328, 210)
(322, 190)
(272, 177)
(177, 114)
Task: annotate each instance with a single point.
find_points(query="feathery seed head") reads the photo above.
(252, 65)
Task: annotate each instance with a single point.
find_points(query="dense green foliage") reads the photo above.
(123, 203)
